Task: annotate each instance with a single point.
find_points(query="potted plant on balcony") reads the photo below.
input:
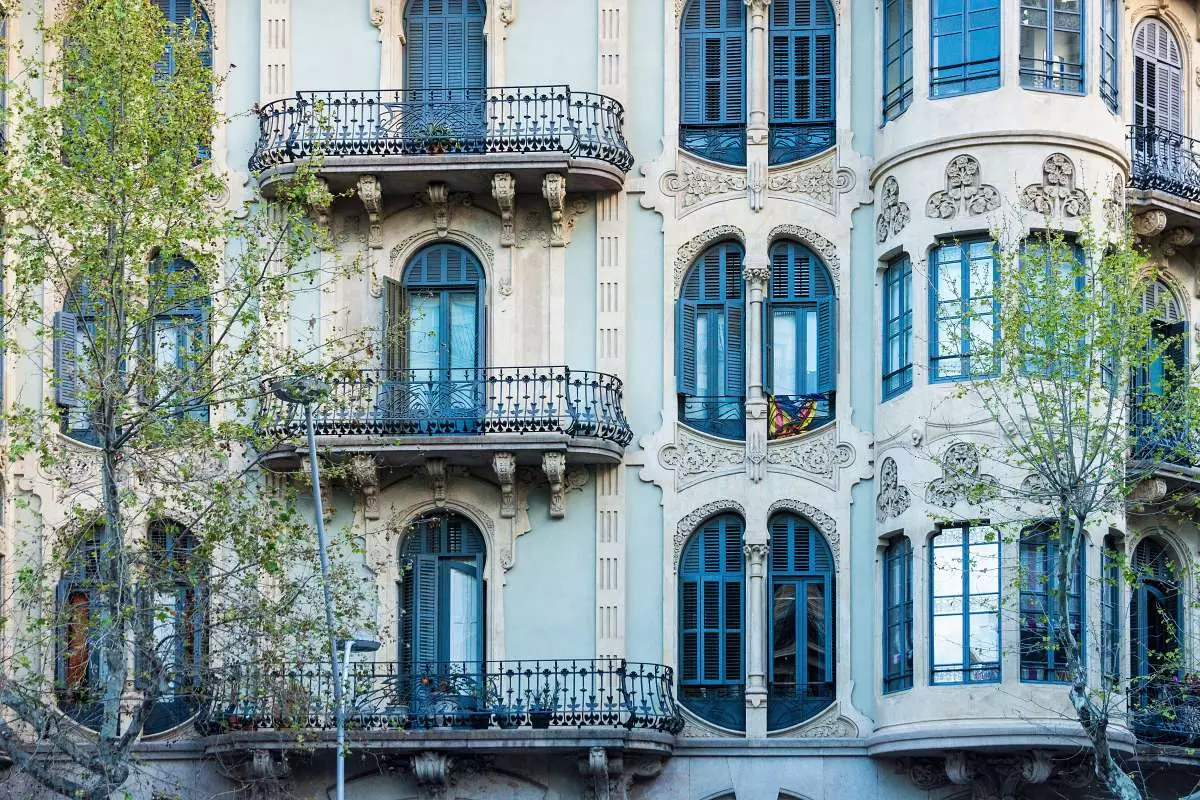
(436, 137)
(542, 704)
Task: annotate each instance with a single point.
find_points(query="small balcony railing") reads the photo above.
(1165, 711)
(1164, 160)
(463, 694)
(410, 122)
(1169, 442)
(463, 402)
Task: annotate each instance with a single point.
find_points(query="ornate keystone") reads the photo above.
(505, 467)
(431, 770)
(555, 467)
(371, 195)
(554, 189)
(504, 191)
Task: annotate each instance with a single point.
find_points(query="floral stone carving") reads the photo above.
(689, 523)
(693, 458)
(893, 499)
(894, 215)
(964, 193)
(826, 524)
(693, 184)
(820, 457)
(693, 247)
(1056, 195)
(813, 183)
(962, 478)
(826, 249)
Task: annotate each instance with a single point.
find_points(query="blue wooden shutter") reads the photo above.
(425, 612)
(393, 339)
(445, 46)
(66, 331)
(735, 353)
(826, 346)
(685, 347)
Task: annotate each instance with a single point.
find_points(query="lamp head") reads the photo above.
(303, 390)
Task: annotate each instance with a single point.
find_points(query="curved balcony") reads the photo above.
(1166, 712)
(1171, 448)
(407, 138)
(481, 706)
(465, 415)
(1165, 173)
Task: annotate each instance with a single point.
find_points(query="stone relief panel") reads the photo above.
(894, 214)
(963, 480)
(965, 192)
(813, 182)
(689, 523)
(697, 244)
(818, 458)
(695, 184)
(1056, 195)
(695, 459)
(893, 499)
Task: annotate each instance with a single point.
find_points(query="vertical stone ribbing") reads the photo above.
(611, 289)
(275, 46)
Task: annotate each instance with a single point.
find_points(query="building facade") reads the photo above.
(666, 457)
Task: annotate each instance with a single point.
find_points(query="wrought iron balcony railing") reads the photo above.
(520, 119)
(1169, 442)
(1165, 711)
(462, 694)
(1164, 160)
(450, 402)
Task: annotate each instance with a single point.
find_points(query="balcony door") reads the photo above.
(1154, 611)
(445, 68)
(1162, 377)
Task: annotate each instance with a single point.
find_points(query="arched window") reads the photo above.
(712, 77)
(801, 362)
(1042, 656)
(79, 663)
(1160, 436)
(1157, 78)
(444, 52)
(710, 369)
(711, 623)
(802, 78)
(1155, 613)
(442, 595)
(434, 342)
(173, 598)
(800, 588)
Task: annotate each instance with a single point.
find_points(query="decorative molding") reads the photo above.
(756, 554)
(1175, 239)
(505, 467)
(894, 214)
(437, 197)
(697, 244)
(756, 183)
(824, 522)
(833, 726)
(694, 184)
(431, 769)
(482, 248)
(371, 195)
(817, 457)
(685, 526)
(554, 189)
(962, 477)
(1149, 224)
(378, 12)
(756, 441)
(554, 465)
(1056, 195)
(893, 499)
(1114, 204)
(435, 468)
(826, 249)
(964, 191)
(695, 459)
(504, 191)
(506, 10)
(814, 183)
(363, 472)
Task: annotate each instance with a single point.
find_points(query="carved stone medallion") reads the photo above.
(893, 499)
(894, 214)
(1056, 195)
(965, 192)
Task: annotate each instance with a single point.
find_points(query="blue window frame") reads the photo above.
(1059, 262)
(803, 95)
(1052, 45)
(1155, 613)
(964, 578)
(897, 57)
(1110, 54)
(712, 80)
(965, 47)
(445, 52)
(800, 585)
(191, 13)
(442, 596)
(1043, 658)
(897, 327)
(800, 359)
(710, 367)
(1110, 611)
(80, 668)
(897, 615)
(712, 622)
(963, 310)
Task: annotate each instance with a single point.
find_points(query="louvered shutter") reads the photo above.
(826, 346)
(415, 46)
(425, 613)
(735, 352)
(685, 348)
(691, 80)
(67, 390)
(395, 348)
(735, 79)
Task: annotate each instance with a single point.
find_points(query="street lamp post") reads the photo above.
(307, 392)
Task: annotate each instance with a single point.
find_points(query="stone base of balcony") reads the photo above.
(404, 175)
(470, 451)
(935, 738)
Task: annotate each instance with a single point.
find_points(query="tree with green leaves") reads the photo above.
(1076, 364)
(144, 315)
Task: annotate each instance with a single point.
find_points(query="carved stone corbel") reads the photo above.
(507, 10)
(756, 184)
(364, 472)
(1176, 239)
(436, 469)
(504, 190)
(431, 770)
(597, 767)
(505, 467)
(321, 213)
(555, 467)
(1149, 223)
(437, 195)
(1149, 490)
(371, 194)
(554, 189)
(326, 490)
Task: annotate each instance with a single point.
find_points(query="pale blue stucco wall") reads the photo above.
(864, 328)
(580, 333)
(333, 50)
(553, 42)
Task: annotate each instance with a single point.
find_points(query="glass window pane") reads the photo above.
(463, 331)
(784, 346)
(424, 327)
(811, 382)
(703, 379)
(816, 632)
(463, 616)
(783, 622)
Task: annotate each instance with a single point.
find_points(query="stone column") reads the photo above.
(757, 92)
(756, 626)
(756, 272)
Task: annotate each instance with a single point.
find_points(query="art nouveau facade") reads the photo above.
(624, 236)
